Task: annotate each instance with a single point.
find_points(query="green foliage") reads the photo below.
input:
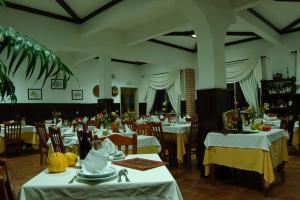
(21, 47)
(2, 2)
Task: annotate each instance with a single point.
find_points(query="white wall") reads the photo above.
(278, 57)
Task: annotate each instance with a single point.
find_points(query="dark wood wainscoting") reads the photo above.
(211, 103)
(40, 111)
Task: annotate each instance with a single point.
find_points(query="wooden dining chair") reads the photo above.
(12, 136)
(43, 139)
(156, 130)
(192, 144)
(56, 139)
(142, 129)
(124, 141)
(6, 188)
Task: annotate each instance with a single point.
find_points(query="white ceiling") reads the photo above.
(136, 21)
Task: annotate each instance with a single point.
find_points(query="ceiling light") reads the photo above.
(194, 36)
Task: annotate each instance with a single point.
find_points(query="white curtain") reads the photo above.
(169, 81)
(297, 67)
(249, 88)
(249, 74)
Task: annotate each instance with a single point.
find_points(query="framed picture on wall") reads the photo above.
(57, 84)
(77, 94)
(34, 94)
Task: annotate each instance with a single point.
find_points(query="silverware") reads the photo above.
(120, 175)
(71, 181)
(125, 173)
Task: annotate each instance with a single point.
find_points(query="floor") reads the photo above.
(191, 184)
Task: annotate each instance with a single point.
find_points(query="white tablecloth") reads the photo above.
(155, 183)
(25, 129)
(261, 140)
(176, 128)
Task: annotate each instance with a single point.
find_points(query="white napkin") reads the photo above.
(138, 121)
(161, 117)
(93, 162)
(155, 119)
(59, 124)
(70, 131)
(166, 120)
(118, 120)
(181, 120)
(128, 131)
(99, 131)
(85, 119)
(108, 147)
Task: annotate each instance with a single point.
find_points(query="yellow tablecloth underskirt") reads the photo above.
(296, 138)
(181, 140)
(257, 160)
(31, 138)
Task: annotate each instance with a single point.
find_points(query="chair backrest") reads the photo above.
(193, 134)
(93, 123)
(121, 140)
(228, 118)
(80, 134)
(142, 129)
(6, 188)
(56, 139)
(12, 133)
(42, 133)
(156, 130)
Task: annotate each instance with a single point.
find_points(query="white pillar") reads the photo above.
(105, 77)
(210, 20)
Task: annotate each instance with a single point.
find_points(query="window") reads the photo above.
(161, 103)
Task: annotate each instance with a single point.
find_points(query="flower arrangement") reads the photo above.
(129, 115)
(56, 116)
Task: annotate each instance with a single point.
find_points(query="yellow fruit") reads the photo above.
(72, 158)
(57, 162)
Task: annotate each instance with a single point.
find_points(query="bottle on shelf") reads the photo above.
(239, 123)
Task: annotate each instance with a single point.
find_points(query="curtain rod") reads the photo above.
(237, 60)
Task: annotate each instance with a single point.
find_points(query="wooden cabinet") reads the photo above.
(280, 96)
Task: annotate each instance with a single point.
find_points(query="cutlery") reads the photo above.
(120, 176)
(125, 173)
(71, 181)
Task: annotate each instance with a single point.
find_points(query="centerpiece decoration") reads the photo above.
(129, 115)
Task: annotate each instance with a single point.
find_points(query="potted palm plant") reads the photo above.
(20, 47)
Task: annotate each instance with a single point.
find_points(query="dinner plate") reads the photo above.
(99, 179)
(97, 174)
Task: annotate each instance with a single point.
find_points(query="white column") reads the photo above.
(210, 20)
(105, 77)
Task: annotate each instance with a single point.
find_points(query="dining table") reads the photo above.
(177, 132)
(155, 183)
(28, 135)
(259, 151)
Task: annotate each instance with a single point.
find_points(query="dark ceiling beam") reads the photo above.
(288, 0)
(291, 25)
(69, 10)
(100, 10)
(128, 62)
(292, 30)
(259, 16)
(180, 33)
(238, 33)
(39, 12)
(171, 45)
(243, 41)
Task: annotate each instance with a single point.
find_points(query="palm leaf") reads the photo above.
(15, 43)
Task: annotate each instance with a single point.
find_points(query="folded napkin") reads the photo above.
(155, 119)
(128, 131)
(85, 120)
(161, 117)
(181, 120)
(138, 121)
(93, 162)
(99, 131)
(69, 131)
(59, 124)
(108, 147)
(166, 120)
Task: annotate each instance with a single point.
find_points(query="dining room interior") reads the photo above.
(139, 99)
